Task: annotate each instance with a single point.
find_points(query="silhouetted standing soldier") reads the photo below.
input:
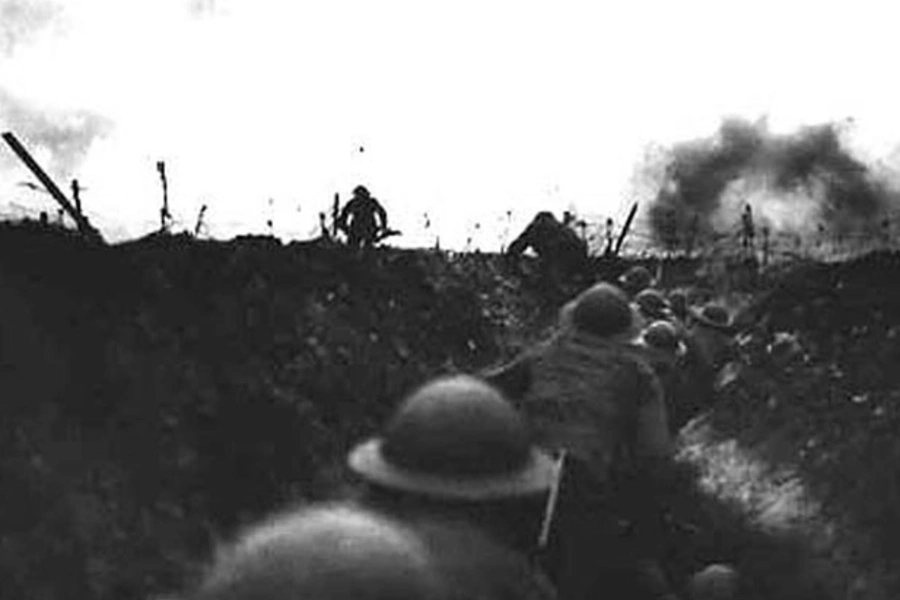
(367, 218)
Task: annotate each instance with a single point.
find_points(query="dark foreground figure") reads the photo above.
(344, 552)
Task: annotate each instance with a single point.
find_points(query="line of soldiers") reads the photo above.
(539, 478)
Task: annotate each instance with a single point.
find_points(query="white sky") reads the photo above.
(466, 109)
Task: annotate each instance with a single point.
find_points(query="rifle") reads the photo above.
(552, 502)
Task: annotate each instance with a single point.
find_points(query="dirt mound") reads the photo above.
(142, 381)
(804, 434)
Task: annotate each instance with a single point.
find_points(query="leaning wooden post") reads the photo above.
(625, 229)
(81, 221)
(335, 210)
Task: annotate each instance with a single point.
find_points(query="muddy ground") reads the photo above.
(160, 393)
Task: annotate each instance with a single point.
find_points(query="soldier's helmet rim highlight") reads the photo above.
(662, 335)
(456, 437)
(714, 316)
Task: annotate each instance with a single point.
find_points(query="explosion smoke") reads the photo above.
(807, 173)
(66, 136)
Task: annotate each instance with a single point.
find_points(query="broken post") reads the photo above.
(335, 209)
(200, 223)
(164, 214)
(84, 226)
(625, 229)
(76, 195)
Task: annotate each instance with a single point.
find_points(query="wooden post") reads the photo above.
(76, 196)
(164, 214)
(625, 229)
(200, 223)
(335, 212)
(83, 224)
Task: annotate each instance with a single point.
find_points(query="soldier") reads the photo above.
(367, 219)
(343, 552)
(560, 249)
(713, 330)
(708, 339)
(457, 449)
(585, 391)
(653, 306)
(678, 303)
(635, 280)
(665, 352)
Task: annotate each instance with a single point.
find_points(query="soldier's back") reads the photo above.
(582, 392)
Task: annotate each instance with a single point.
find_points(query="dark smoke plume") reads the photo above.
(66, 136)
(21, 20)
(810, 164)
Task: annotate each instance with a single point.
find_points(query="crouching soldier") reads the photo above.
(588, 394)
(561, 251)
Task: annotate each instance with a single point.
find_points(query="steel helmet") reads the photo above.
(636, 279)
(456, 437)
(361, 191)
(333, 552)
(715, 582)
(714, 316)
(653, 304)
(662, 335)
(603, 310)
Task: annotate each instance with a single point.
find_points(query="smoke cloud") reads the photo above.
(22, 20)
(60, 140)
(794, 182)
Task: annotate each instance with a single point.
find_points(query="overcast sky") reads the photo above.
(465, 109)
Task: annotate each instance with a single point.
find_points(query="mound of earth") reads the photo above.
(158, 394)
(802, 440)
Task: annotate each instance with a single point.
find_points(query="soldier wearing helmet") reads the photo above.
(367, 219)
(344, 552)
(458, 449)
(660, 344)
(653, 306)
(713, 331)
(635, 279)
(586, 391)
(678, 303)
(709, 343)
(560, 249)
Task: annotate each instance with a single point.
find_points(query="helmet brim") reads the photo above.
(678, 352)
(698, 316)
(536, 476)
